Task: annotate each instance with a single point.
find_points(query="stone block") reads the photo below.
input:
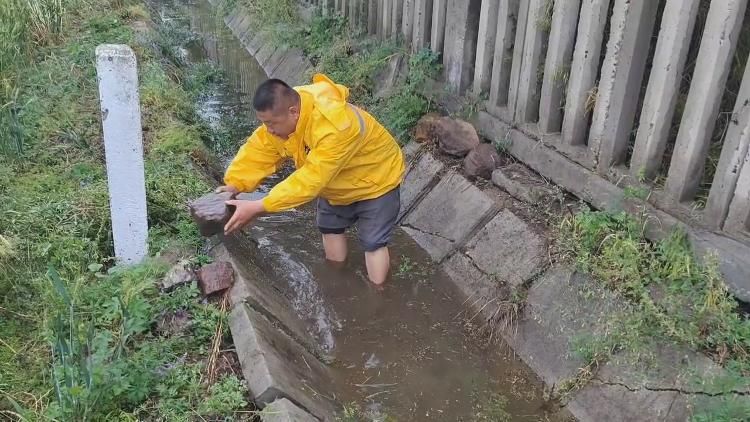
(560, 306)
(615, 403)
(442, 221)
(283, 410)
(211, 213)
(215, 277)
(523, 184)
(508, 249)
(275, 366)
(455, 137)
(418, 177)
(481, 161)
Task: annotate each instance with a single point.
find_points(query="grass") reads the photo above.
(670, 295)
(353, 61)
(77, 334)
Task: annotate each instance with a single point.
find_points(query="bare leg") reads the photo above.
(378, 264)
(335, 247)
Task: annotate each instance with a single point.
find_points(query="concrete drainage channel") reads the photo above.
(477, 236)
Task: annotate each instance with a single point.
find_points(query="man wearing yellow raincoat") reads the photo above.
(343, 157)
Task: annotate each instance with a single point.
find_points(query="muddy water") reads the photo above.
(402, 351)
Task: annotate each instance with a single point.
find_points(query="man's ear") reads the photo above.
(294, 110)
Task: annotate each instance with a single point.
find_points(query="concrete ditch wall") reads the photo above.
(540, 68)
(495, 247)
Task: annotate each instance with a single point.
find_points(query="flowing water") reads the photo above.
(406, 350)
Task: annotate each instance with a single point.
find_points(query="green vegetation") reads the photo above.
(670, 295)
(81, 338)
(354, 60)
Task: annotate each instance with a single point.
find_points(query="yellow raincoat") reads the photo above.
(341, 153)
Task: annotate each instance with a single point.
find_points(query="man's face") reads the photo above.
(280, 121)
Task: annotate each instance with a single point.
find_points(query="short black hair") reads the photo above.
(268, 94)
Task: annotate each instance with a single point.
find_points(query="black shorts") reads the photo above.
(375, 218)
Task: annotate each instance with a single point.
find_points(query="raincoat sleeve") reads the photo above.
(255, 161)
(323, 163)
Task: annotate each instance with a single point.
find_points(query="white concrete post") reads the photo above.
(123, 147)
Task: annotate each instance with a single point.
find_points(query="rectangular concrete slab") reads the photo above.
(509, 249)
(441, 222)
(561, 306)
(418, 177)
(282, 410)
(482, 293)
(253, 287)
(275, 366)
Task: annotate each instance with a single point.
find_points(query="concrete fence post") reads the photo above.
(407, 21)
(117, 73)
(488, 15)
(557, 65)
(738, 218)
(502, 59)
(714, 61)
(461, 32)
(529, 83)
(583, 70)
(658, 108)
(422, 24)
(733, 156)
(522, 19)
(437, 30)
(372, 17)
(631, 26)
(397, 12)
(386, 15)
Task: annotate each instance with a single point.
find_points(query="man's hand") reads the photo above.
(228, 188)
(245, 212)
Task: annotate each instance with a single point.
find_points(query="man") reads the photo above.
(343, 157)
